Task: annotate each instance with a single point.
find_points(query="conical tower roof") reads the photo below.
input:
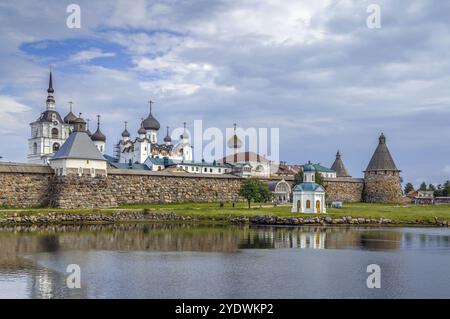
(338, 167)
(382, 159)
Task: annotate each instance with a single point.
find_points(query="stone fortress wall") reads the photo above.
(27, 185)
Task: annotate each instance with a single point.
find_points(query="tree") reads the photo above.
(431, 187)
(298, 178)
(423, 186)
(446, 191)
(318, 178)
(255, 190)
(409, 188)
(265, 195)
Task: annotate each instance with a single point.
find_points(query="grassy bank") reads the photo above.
(205, 211)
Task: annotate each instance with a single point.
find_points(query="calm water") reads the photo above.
(194, 261)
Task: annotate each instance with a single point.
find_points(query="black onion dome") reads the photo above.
(98, 136)
(125, 133)
(70, 118)
(142, 130)
(150, 123)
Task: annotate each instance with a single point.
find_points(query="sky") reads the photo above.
(313, 69)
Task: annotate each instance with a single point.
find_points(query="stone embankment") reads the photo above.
(142, 215)
(326, 220)
(114, 217)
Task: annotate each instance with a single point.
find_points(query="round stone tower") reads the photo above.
(382, 182)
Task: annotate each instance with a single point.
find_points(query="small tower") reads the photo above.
(99, 138)
(339, 167)
(48, 132)
(185, 145)
(151, 126)
(125, 133)
(142, 132)
(382, 182)
(168, 139)
(309, 173)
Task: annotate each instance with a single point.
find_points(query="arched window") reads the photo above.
(55, 132)
(35, 148)
(308, 204)
(55, 147)
(259, 168)
(298, 206)
(318, 206)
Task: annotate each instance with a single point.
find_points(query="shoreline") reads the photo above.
(140, 215)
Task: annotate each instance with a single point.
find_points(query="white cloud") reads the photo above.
(12, 114)
(88, 55)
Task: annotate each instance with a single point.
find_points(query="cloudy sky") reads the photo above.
(311, 68)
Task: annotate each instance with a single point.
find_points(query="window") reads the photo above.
(210, 170)
(192, 168)
(313, 177)
(206, 170)
(93, 172)
(55, 147)
(220, 170)
(55, 132)
(308, 204)
(80, 171)
(35, 148)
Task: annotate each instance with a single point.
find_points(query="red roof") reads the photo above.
(244, 157)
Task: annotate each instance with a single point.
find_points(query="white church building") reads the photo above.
(145, 145)
(308, 197)
(50, 131)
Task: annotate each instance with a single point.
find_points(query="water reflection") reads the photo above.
(33, 259)
(16, 241)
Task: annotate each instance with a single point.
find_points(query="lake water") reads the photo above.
(194, 261)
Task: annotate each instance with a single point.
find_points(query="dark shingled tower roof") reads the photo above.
(338, 167)
(382, 159)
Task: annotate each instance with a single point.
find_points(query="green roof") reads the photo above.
(308, 187)
(323, 169)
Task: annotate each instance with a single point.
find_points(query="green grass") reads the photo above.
(204, 211)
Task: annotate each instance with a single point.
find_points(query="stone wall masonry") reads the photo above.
(382, 188)
(132, 187)
(344, 189)
(25, 186)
